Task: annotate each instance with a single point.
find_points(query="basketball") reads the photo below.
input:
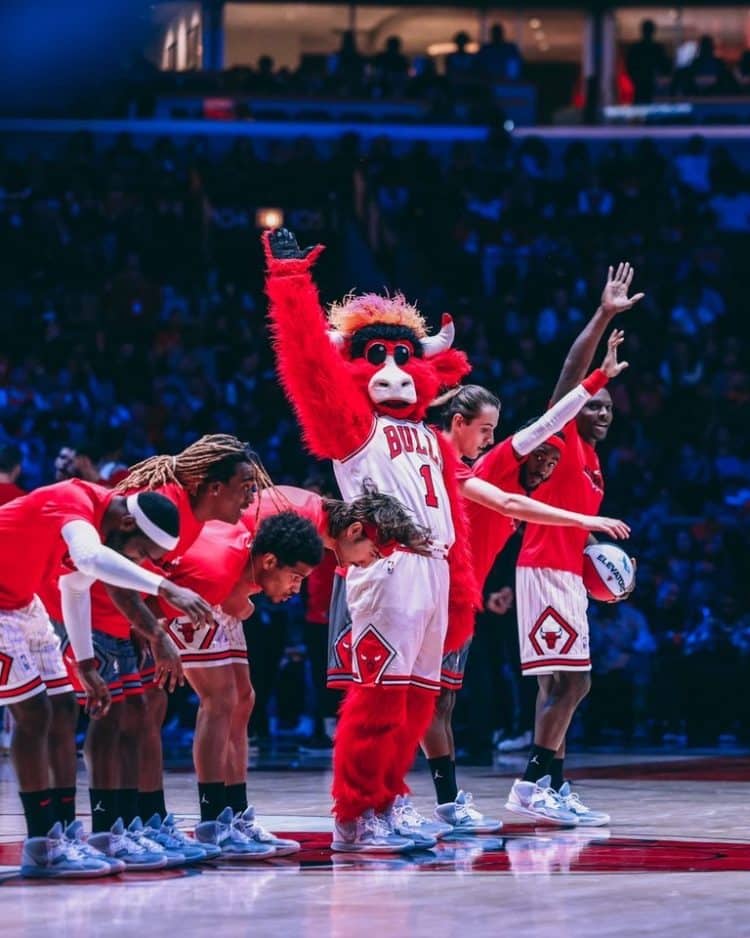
(607, 572)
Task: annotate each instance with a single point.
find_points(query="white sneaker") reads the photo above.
(368, 834)
(405, 820)
(254, 831)
(586, 817)
(56, 857)
(538, 800)
(234, 844)
(463, 817)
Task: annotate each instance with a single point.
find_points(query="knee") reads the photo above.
(245, 699)
(575, 687)
(218, 706)
(444, 706)
(33, 716)
(155, 706)
(133, 715)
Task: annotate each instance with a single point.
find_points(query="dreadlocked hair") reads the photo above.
(212, 458)
(393, 521)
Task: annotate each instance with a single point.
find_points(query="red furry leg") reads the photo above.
(420, 709)
(368, 738)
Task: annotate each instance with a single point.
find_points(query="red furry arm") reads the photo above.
(465, 598)
(333, 412)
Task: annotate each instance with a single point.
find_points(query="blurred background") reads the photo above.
(489, 161)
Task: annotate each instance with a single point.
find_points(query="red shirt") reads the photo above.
(105, 616)
(319, 589)
(31, 546)
(491, 531)
(286, 498)
(576, 484)
(214, 564)
(9, 491)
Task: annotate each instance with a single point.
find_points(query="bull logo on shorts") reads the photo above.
(371, 656)
(551, 633)
(188, 631)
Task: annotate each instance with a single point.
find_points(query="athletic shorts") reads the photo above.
(211, 646)
(454, 668)
(553, 629)
(399, 614)
(339, 670)
(30, 658)
(117, 662)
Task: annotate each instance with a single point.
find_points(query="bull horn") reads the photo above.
(337, 338)
(434, 344)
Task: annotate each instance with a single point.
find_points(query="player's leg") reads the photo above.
(29, 752)
(46, 852)
(238, 749)
(63, 756)
(217, 694)
(150, 753)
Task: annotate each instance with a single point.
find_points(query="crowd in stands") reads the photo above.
(133, 321)
(655, 74)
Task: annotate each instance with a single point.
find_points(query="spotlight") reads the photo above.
(269, 218)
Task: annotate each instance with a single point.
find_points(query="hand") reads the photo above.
(193, 605)
(98, 699)
(615, 297)
(611, 526)
(610, 366)
(500, 601)
(283, 246)
(169, 673)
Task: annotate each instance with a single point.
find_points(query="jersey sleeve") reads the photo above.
(526, 440)
(76, 503)
(463, 472)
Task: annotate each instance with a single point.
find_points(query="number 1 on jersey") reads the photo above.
(430, 497)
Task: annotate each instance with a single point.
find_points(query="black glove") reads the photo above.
(284, 246)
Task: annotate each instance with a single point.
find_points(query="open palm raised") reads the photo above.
(615, 297)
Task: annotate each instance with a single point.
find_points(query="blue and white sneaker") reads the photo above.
(56, 857)
(135, 854)
(408, 822)
(137, 832)
(368, 834)
(586, 817)
(75, 835)
(251, 828)
(539, 800)
(173, 843)
(169, 825)
(234, 844)
(465, 818)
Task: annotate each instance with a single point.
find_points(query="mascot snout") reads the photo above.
(392, 385)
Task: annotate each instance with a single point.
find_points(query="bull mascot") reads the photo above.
(360, 381)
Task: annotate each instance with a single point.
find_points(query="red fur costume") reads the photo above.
(328, 386)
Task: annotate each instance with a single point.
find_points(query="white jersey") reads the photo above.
(403, 459)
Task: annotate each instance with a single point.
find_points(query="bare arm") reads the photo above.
(169, 671)
(614, 300)
(527, 509)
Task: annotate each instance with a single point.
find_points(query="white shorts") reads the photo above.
(30, 658)
(210, 646)
(553, 629)
(399, 611)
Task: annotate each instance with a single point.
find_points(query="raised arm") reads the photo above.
(527, 439)
(614, 300)
(333, 411)
(528, 509)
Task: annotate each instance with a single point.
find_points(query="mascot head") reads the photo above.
(385, 344)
